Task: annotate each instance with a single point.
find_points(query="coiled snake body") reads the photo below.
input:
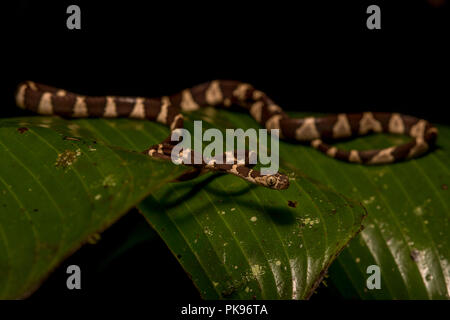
(48, 100)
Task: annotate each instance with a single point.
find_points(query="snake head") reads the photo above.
(276, 181)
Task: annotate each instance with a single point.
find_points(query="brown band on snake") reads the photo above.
(315, 130)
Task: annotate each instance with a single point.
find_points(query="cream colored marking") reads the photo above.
(233, 169)
(80, 109)
(342, 128)
(213, 94)
(249, 178)
(162, 115)
(261, 180)
(384, 156)
(241, 90)
(396, 124)
(61, 93)
(45, 104)
(160, 148)
(211, 163)
(186, 155)
(307, 131)
(151, 152)
(256, 110)
(368, 122)
(32, 85)
(257, 95)
(419, 148)
(229, 157)
(332, 152)
(20, 97)
(138, 109)
(418, 130)
(354, 156)
(227, 102)
(110, 109)
(174, 122)
(274, 108)
(273, 122)
(187, 101)
(316, 143)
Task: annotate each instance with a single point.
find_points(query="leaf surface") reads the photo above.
(241, 241)
(59, 190)
(407, 229)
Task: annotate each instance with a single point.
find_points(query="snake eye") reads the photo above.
(271, 181)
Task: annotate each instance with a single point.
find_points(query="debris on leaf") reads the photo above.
(292, 204)
(67, 158)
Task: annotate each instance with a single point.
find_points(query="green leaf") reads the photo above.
(276, 254)
(242, 241)
(58, 190)
(406, 232)
(407, 229)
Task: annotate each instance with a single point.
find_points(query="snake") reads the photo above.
(168, 110)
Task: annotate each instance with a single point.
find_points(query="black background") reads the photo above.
(307, 55)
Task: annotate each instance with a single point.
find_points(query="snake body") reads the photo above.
(316, 131)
